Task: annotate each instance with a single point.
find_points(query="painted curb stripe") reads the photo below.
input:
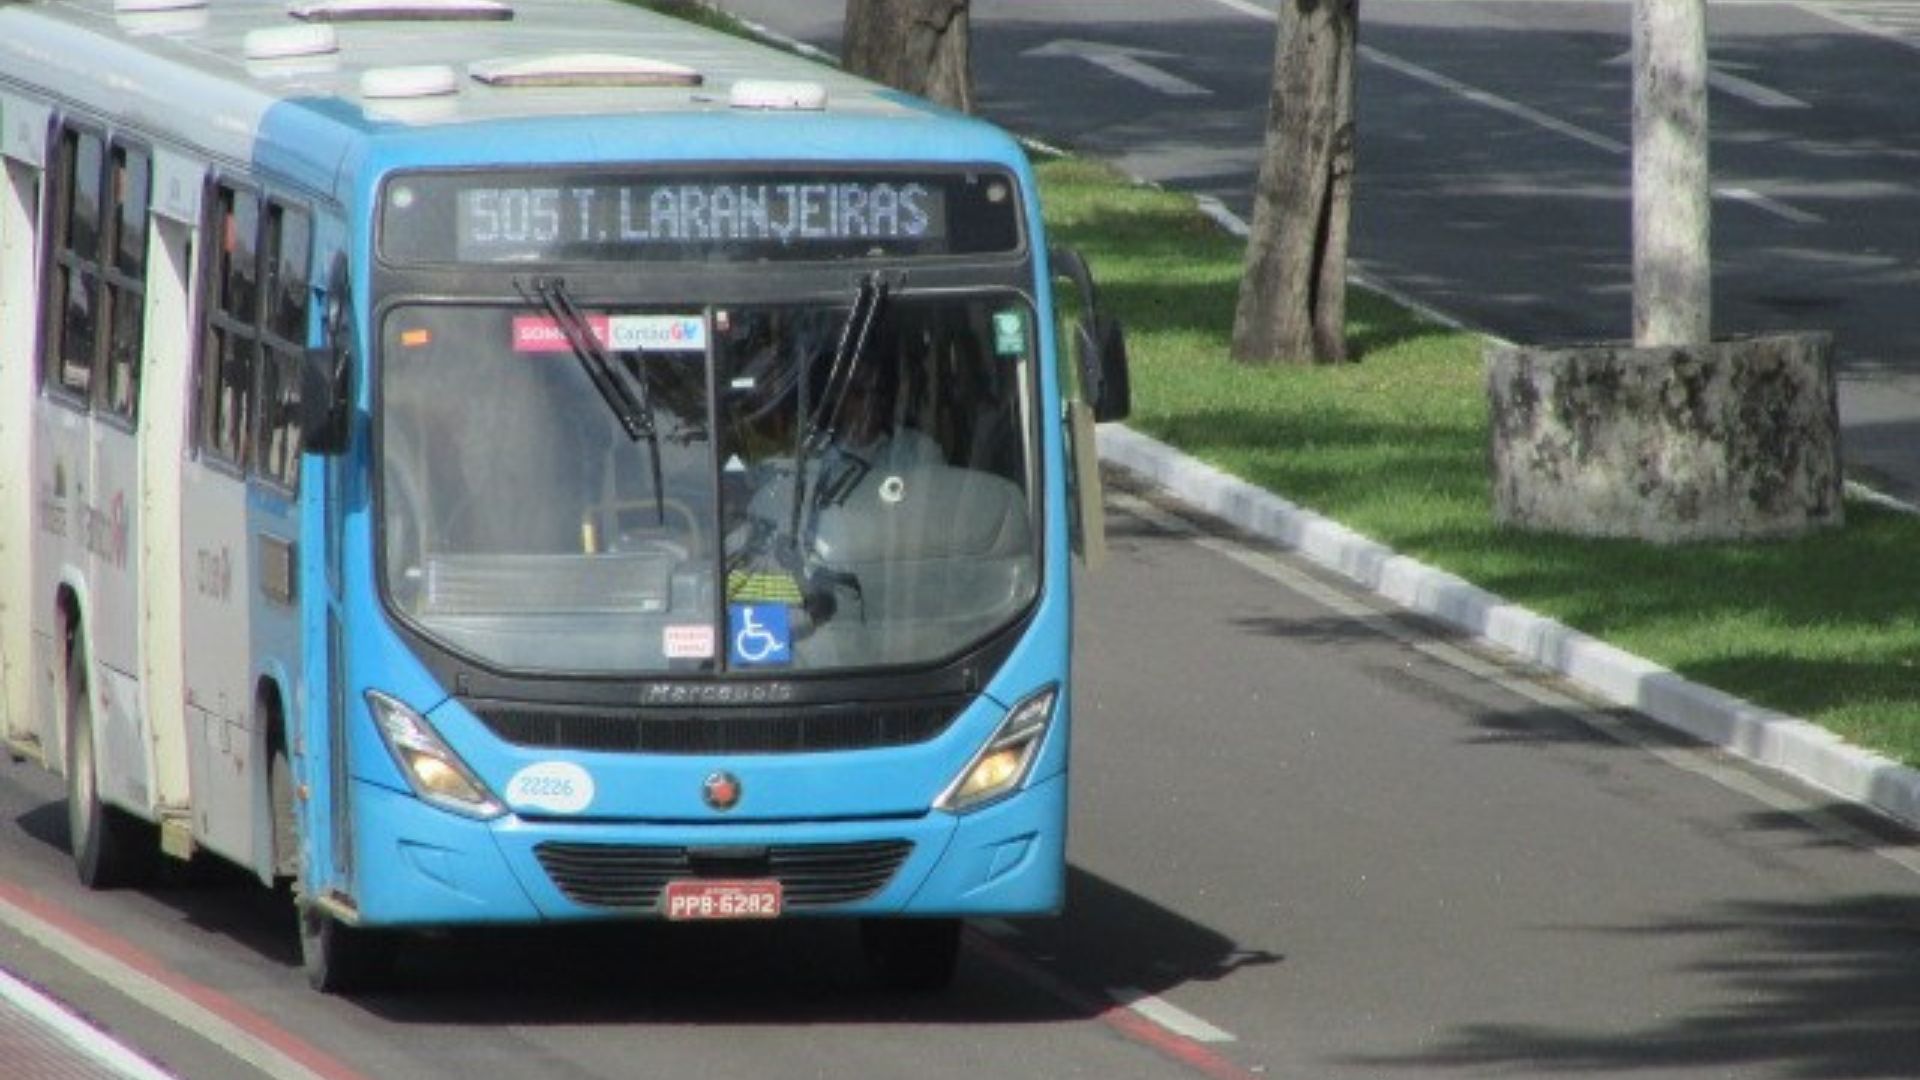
(206, 1012)
(73, 1029)
(1169, 1016)
(1765, 737)
(1124, 1021)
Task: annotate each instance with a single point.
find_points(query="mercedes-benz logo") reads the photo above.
(721, 790)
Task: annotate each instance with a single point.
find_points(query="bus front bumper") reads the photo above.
(419, 866)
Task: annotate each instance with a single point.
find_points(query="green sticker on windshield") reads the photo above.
(1010, 333)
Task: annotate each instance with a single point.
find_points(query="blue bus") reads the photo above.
(489, 462)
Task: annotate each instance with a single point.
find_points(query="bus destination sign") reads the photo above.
(491, 218)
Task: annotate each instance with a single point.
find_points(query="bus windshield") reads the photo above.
(802, 487)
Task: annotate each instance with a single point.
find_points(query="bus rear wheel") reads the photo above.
(916, 955)
(111, 848)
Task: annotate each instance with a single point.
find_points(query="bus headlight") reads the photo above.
(436, 773)
(1003, 763)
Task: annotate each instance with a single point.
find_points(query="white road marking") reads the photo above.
(1898, 22)
(1772, 206)
(1247, 7)
(1725, 81)
(1752, 92)
(157, 996)
(1489, 100)
(1128, 63)
(83, 1036)
(1169, 1016)
(1707, 764)
(1493, 101)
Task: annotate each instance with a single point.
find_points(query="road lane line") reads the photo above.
(1872, 20)
(1492, 101)
(1168, 1015)
(77, 1033)
(1707, 764)
(1573, 131)
(1772, 206)
(1247, 7)
(1752, 92)
(1486, 99)
(202, 1010)
(1124, 1021)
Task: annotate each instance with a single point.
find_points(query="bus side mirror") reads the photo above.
(1099, 347)
(1102, 356)
(326, 378)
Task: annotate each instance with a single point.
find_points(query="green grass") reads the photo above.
(1826, 627)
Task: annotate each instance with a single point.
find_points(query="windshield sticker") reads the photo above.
(660, 333)
(540, 334)
(621, 333)
(558, 787)
(688, 642)
(758, 635)
(1009, 334)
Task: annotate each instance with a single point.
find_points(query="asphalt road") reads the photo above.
(1493, 166)
(1310, 840)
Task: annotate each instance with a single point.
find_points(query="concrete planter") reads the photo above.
(1732, 439)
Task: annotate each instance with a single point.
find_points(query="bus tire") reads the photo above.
(283, 811)
(342, 959)
(111, 848)
(915, 955)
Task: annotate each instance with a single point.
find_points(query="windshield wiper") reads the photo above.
(820, 424)
(624, 391)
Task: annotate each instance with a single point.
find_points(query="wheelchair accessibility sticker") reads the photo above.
(758, 635)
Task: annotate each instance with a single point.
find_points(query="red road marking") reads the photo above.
(126, 954)
(1123, 1020)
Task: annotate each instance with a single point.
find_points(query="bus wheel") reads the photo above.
(912, 954)
(283, 800)
(342, 959)
(111, 847)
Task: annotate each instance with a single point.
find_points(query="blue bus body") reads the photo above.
(305, 668)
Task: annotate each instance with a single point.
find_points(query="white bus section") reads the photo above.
(23, 156)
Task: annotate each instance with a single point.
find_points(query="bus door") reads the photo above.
(23, 133)
(282, 330)
(239, 505)
(215, 545)
(165, 388)
(62, 472)
(120, 183)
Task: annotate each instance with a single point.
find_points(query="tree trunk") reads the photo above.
(919, 46)
(1672, 202)
(1293, 293)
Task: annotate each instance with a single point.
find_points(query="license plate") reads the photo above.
(700, 899)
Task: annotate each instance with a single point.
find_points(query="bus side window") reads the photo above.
(229, 343)
(73, 297)
(125, 273)
(287, 251)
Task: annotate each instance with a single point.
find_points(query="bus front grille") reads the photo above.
(781, 731)
(631, 877)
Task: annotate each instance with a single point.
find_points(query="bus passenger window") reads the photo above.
(74, 293)
(126, 278)
(229, 344)
(287, 250)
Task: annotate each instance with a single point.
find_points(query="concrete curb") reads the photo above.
(1772, 739)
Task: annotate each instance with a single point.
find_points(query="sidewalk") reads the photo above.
(1768, 738)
